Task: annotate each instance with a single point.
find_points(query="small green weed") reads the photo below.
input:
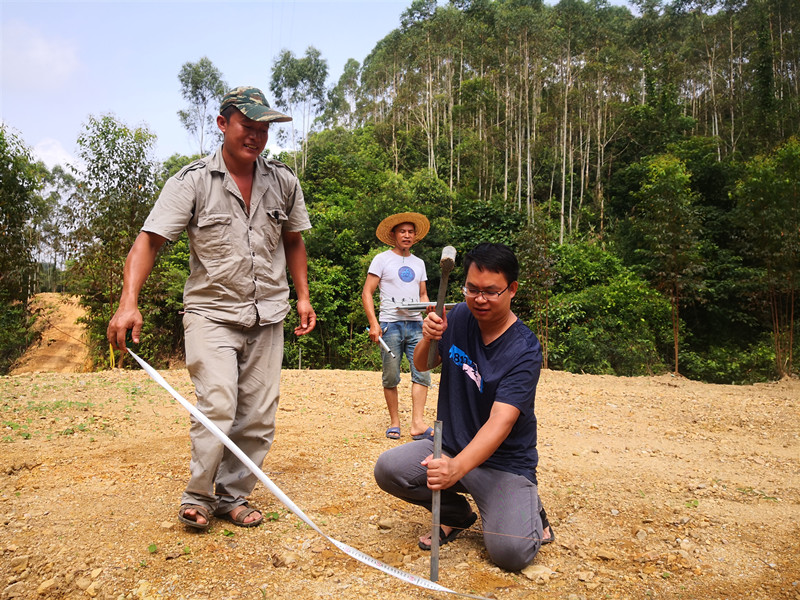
(748, 491)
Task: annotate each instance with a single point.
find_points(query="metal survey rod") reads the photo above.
(436, 505)
(384, 345)
(446, 264)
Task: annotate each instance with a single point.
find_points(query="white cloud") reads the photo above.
(32, 62)
(52, 153)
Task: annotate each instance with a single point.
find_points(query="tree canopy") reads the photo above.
(203, 87)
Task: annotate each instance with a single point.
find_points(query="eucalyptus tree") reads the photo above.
(380, 81)
(298, 85)
(340, 108)
(522, 32)
(571, 19)
(202, 87)
(60, 191)
(593, 72)
(667, 225)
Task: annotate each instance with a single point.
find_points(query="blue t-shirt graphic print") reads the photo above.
(406, 273)
(459, 357)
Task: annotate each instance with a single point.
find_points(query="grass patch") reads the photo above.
(58, 406)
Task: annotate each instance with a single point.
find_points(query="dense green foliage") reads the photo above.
(642, 166)
(20, 209)
(116, 192)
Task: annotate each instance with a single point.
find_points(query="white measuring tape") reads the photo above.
(350, 551)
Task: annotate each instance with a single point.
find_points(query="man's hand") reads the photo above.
(375, 333)
(308, 318)
(443, 472)
(124, 320)
(434, 326)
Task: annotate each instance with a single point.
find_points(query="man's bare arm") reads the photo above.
(297, 260)
(138, 266)
(367, 299)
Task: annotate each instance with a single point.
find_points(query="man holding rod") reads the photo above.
(244, 216)
(490, 368)
(401, 277)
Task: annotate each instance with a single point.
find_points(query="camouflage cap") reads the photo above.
(253, 104)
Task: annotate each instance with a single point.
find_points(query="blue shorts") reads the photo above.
(402, 338)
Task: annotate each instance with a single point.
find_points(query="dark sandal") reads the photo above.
(239, 520)
(545, 525)
(393, 433)
(201, 511)
(457, 530)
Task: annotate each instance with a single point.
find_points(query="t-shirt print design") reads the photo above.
(406, 273)
(459, 357)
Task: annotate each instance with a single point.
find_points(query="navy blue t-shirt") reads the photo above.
(475, 376)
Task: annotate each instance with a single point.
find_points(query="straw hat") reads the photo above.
(420, 222)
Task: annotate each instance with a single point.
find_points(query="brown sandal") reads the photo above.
(242, 515)
(201, 511)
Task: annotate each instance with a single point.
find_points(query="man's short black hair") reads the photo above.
(498, 258)
(229, 110)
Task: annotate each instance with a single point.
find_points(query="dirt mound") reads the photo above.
(61, 348)
(657, 487)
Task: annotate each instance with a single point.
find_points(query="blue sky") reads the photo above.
(63, 61)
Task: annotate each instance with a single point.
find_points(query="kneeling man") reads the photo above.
(490, 367)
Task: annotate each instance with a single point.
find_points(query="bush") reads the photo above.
(732, 364)
(604, 319)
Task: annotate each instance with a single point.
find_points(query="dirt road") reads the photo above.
(61, 348)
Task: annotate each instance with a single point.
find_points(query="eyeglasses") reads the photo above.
(473, 293)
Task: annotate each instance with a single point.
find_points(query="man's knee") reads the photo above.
(511, 554)
(391, 373)
(384, 473)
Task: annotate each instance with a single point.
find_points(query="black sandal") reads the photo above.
(545, 525)
(456, 531)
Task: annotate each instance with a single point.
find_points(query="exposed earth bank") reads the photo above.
(657, 487)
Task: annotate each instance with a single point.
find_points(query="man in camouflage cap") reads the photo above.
(253, 105)
(244, 215)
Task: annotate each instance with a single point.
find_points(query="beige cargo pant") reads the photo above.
(236, 373)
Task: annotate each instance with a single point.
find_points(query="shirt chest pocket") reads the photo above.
(271, 227)
(213, 237)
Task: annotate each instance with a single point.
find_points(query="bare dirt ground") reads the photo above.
(61, 348)
(657, 487)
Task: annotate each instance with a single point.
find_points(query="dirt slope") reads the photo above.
(61, 348)
(657, 487)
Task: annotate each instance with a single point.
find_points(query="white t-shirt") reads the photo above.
(400, 280)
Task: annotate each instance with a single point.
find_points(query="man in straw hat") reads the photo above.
(244, 216)
(401, 277)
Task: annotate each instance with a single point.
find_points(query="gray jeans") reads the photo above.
(236, 373)
(509, 504)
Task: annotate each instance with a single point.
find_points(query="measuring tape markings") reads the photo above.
(283, 498)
